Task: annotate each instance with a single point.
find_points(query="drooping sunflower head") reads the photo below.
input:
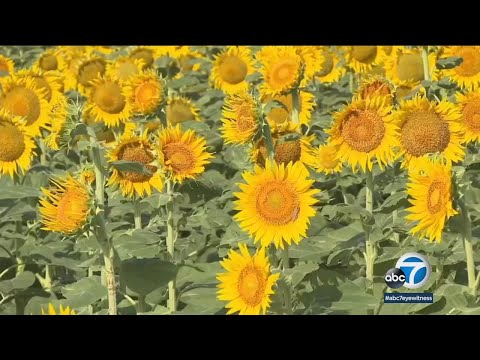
(87, 174)
(61, 124)
(135, 149)
(330, 68)
(50, 60)
(180, 109)
(247, 283)
(65, 206)
(108, 102)
(240, 118)
(87, 70)
(405, 66)
(62, 311)
(364, 131)
(467, 74)
(148, 55)
(325, 159)
(276, 203)
(282, 69)
(124, 67)
(7, 66)
(362, 58)
(22, 97)
(231, 67)
(182, 154)
(375, 85)
(429, 128)
(431, 196)
(145, 92)
(469, 105)
(17, 145)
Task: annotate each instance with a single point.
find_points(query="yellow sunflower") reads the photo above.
(431, 196)
(247, 283)
(362, 58)
(330, 68)
(182, 154)
(180, 109)
(123, 68)
(364, 130)
(16, 145)
(148, 54)
(374, 85)
(405, 66)
(87, 70)
(428, 128)
(63, 311)
(467, 74)
(59, 128)
(282, 69)
(135, 149)
(7, 66)
(50, 60)
(23, 98)
(325, 159)
(384, 52)
(74, 56)
(108, 102)
(469, 104)
(280, 118)
(276, 203)
(65, 206)
(240, 118)
(312, 60)
(185, 56)
(87, 175)
(231, 67)
(145, 92)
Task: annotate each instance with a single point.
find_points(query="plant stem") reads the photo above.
(171, 235)
(467, 243)
(396, 236)
(350, 81)
(295, 106)
(426, 70)
(43, 149)
(141, 305)
(370, 251)
(288, 290)
(20, 262)
(137, 214)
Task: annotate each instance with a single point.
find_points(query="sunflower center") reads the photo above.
(376, 88)
(327, 64)
(251, 285)
(70, 208)
(364, 54)
(283, 72)
(277, 202)
(146, 93)
(90, 71)
(23, 102)
(179, 156)
(471, 114)
(363, 130)
(143, 54)
(410, 67)
(424, 132)
(42, 84)
(108, 97)
(178, 112)
(135, 153)
(12, 142)
(233, 70)
(289, 151)
(471, 62)
(245, 119)
(436, 197)
(3, 68)
(48, 62)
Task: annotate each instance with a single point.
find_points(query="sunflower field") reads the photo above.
(159, 180)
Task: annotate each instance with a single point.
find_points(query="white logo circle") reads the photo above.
(416, 268)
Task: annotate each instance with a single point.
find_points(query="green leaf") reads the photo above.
(296, 274)
(84, 292)
(21, 281)
(449, 63)
(19, 192)
(141, 243)
(393, 202)
(274, 104)
(132, 166)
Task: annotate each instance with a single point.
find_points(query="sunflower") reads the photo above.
(185, 56)
(17, 145)
(374, 85)
(384, 52)
(123, 68)
(431, 197)
(182, 154)
(145, 91)
(428, 128)
(108, 102)
(135, 149)
(276, 203)
(7, 66)
(364, 130)
(231, 67)
(467, 74)
(330, 68)
(405, 66)
(65, 206)
(60, 125)
(180, 109)
(23, 98)
(469, 104)
(280, 118)
(87, 175)
(282, 69)
(240, 118)
(247, 283)
(74, 56)
(50, 60)
(312, 61)
(325, 159)
(87, 70)
(63, 311)
(362, 58)
(148, 55)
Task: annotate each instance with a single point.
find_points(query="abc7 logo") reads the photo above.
(395, 278)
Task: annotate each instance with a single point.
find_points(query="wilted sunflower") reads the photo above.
(364, 131)
(276, 203)
(7, 66)
(63, 311)
(362, 58)
(180, 109)
(231, 67)
(145, 91)
(124, 67)
(182, 154)
(325, 159)
(282, 69)
(240, 118)
(375, 85)
(431, 193)
(107, 102)
(469, 104)
(50, 60)
(135, 149)
(405, 66)
(65, 205)
(467, 74)
(330, 69)
(248, 283)
(280, 118)
(23, 98)
(428, 127)
(16, 145)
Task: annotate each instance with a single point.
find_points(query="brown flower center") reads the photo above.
(23, 102)
(12, 142)
(277, 202)
(471, 62)
(48, 62)
(136, 153)
(437, 196)
(471, 115)
(363, 130)
(364, 54)
(410, 67)
(179, 156)
(251, 285)
(108, 97)
(233, 70)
